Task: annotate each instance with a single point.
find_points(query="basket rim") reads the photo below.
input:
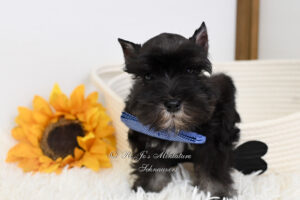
(106, 86)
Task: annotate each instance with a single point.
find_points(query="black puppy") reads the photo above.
(173, 90)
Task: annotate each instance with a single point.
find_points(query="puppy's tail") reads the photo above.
(247, 157)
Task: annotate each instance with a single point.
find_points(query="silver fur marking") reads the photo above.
(175, 148)
(178, 120)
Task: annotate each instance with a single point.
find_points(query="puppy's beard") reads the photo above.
(174, 121)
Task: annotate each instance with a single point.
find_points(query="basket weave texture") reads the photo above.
(268, 100)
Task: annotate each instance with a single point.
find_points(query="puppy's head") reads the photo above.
(171, 87)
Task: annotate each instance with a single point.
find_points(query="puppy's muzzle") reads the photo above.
(172, 105)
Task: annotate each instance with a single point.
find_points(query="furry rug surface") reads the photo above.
(114, 183)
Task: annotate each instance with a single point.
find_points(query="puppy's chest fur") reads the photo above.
(158, 146)
(170, 148)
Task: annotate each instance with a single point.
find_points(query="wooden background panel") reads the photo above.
(247, 29)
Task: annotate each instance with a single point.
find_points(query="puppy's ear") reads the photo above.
(200, 37)
(130, 49)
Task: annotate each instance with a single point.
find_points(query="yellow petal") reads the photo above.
(29, 164)
(24, 117)
(103, 160)
(58, 99)
(33, 140)
(92, 99)
(90, 161)
(45, 162)
(18, 133)
(104, 131)
(22, 150)
(58, 170)
(76, 164)
(33, 134)
(40, 118)
(81, 117)
(42, 106)
(45, 159)
(92, 118)
(77, 99)
(110, 142)
(51, 168)
(101, 157)
(99, 147)
(67, 160)
(69, 116)
(86, 141)
(77, 153)
(105, 164)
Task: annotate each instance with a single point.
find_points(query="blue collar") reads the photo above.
(183, 136)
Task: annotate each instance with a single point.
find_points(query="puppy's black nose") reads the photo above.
(172, 105)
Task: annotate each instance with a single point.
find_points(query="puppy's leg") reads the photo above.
(151, 171)
(152, 182)
(213, 161)
(217, 186)
(152, 175)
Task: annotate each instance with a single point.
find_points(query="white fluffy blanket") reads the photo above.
(114, 184)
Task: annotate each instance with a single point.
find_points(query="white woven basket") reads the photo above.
(268, 100)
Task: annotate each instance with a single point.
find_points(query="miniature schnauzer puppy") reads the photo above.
(173, 90)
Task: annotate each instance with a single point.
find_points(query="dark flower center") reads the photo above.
(60, 138)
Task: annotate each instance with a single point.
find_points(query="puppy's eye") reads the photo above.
(190, 70)
(148, 77)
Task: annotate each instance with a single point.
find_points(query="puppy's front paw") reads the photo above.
(153, 182)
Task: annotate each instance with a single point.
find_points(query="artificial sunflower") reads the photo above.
(73, 131)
